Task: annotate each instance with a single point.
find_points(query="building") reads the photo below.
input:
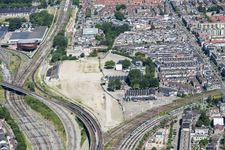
(16, 12)
(135, 95)
(137, 62)
(158, 135)
(3, 31)
(166, 8)
(37, 34)
(2, 138)
(167, 91)
(53, 72)
(89, 32)
(27, 44)
(218, 121)
(119, 65)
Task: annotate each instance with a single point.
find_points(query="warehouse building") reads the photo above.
(16, 12)
(119, 65)
(167, 91)
(27, 45)
(53, 72)
(3, 31)
(38, 34)
(140, 95)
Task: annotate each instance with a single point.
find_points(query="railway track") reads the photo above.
(93, 130)
(132, 124)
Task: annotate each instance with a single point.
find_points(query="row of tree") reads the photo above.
(15, 5)
(42, 18)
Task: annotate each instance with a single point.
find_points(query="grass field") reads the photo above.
(51, 10)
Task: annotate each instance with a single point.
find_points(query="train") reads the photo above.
(183, 107)
(143, 124)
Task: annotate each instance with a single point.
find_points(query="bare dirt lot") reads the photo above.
(80, 80)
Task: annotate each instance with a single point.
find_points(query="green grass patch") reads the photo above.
(59, 86)
(83, 132)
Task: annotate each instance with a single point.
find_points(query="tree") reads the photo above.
(109, 63)
(209, 100)
(138, 53)
(177, 9)
(95, 13)
(43, 4)
(112, 85)
(119, 15)
(82, 55)
(170, 14)
(88, 12)
(213, 13)
(199, 123)
(118, 83)
(149, 22)
(98, 25)
(192, 140)
(153, 82)
(203, 142)
(152, 27)
(126, 63)
(120, 6)
(154, 148)
(134, 77)
(55, 57)
(14, 23)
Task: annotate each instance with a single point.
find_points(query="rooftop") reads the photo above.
(90, 31)
(17, 10)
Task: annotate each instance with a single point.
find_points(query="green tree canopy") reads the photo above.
(95, 13)
(88, 12)
(138, 53)
(126, 63)
(133, 76)
(55, 57)
(118, 83)
(120, 6)
(110, 63)
(112, 85)
(42, 18)
(82, 55)
(119, 15)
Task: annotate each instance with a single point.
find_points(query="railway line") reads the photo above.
(21, 110)
(129, 126)
(92, 127)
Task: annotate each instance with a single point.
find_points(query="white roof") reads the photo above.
(218, 121)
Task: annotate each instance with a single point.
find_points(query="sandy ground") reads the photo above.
(80, 80)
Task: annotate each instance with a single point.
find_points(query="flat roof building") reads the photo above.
(38, 34)
(90, 32)
(53, 72)
(3, 31)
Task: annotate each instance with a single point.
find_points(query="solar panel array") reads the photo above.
(122, 78)
(140, 92)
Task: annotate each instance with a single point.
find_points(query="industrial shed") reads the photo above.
(38, 34)
(167, 91)
(3, 31)
(134, 95)
(53, 72)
